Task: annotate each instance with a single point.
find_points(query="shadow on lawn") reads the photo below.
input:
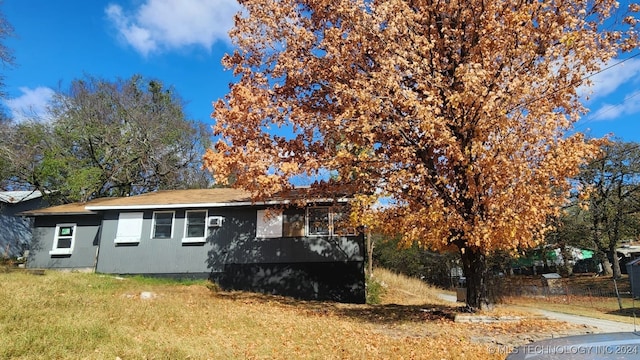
(379, 314)
(627, 312)
(394, 313)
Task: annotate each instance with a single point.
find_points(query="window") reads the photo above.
(64, 239)
(293, 223)
(269, 224)
(195, 226)
(321, 221)
(298, 222)
(162, 224)
(341, 225)
(129, 228)
(318, 221)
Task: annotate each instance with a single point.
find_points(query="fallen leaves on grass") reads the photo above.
(60, 316)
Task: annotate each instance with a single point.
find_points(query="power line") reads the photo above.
(576, 83)
(607, 109)
(593, 117)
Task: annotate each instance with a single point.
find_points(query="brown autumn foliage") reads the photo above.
(459, 111)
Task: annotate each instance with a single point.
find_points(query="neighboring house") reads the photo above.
(273, 247)
(15, 231)
(549, 258)
(629, 251)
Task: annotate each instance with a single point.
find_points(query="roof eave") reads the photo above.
(204, 205)
(44, 213)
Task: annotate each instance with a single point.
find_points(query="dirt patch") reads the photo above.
(505, 334)
(522, 332)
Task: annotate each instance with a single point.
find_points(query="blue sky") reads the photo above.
(57, 42)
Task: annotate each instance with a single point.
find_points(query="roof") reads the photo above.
(169, 199)
(66, 209)
(174, 199)
(14, 197)
(629, 250)
(634, 262)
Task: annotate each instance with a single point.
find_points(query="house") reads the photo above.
(273, 246)
(15, 231)
(633, 269)
(629, 251)
(548, 258)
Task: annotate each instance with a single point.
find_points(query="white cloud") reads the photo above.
(162, 25)
(31, 105)
(628, 106)
(611, 78)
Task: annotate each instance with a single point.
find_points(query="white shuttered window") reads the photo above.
(269, 224)
(129, 228)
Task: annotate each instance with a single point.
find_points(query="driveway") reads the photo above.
(604, 326)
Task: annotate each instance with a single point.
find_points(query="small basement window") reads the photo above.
(64, 239)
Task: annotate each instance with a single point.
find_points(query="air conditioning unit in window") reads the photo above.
(215, 221)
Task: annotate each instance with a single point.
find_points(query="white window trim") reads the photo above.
(153, 224)
(129, 218)
(330, 224)
(350, 231)
(195, 240)
(55, 250)
(347, 231)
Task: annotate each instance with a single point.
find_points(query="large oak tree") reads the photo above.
(459, 112)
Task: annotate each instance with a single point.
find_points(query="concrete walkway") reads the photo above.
(604, 326)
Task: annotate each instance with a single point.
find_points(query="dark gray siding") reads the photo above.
(15, 231)
(84, 250)
(152, 256)
(308, 267)
(234, 243)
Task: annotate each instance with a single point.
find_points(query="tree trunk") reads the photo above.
(606, 265)
(474, 265)
(614, 238)
(545, 261)
(613, 241)
(567, 268)
(617, 273)
(369, 247)
(601, 250)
